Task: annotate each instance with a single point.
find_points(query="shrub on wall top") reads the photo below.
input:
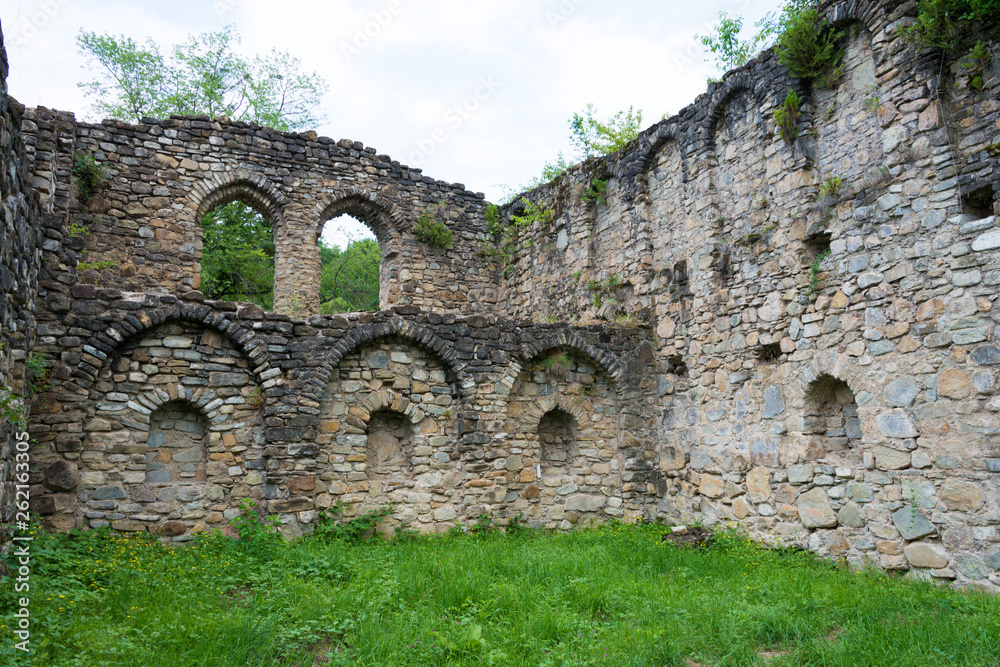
(808, 47)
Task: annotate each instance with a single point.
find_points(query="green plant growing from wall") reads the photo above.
(872, 102)
(829, 188)
(88, 175)
(506, 235)
(76, 229)
(808, 47)
(977, 64)
(815, 270)
(430, 228)
(786, 117)
(595, 193)
(950, 25)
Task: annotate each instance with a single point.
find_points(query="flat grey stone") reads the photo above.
(986, 355)
(774, 404)
(901, 393)
(896, 424)
(911, 524)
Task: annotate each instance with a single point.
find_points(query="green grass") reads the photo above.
(610, 596)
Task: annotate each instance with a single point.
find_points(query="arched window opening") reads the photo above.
(237, 256)
(557, 439)
(176, 445)
(832, 415)
(349, 267)
(390, 444)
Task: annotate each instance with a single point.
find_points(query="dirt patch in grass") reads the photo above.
(694, 537)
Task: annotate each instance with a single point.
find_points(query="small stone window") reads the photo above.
(176, 445)
(678, 365)
(768, 353)
(979, 202)
(557, 439)
(390, 444)
(818, 245)
(350, 260)
(831, 416)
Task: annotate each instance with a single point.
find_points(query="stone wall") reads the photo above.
(723, 336)
(827, 365)
(20, 262)
(144, 228)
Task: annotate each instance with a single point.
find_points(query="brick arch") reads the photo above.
(419, 335)
(253, 189)
(201, 399)
(102, 346)
(840, 366)
(390, 399)
(656, 141)
(382, 216)
(605, 360)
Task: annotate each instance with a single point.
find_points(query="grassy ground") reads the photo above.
(611, 596)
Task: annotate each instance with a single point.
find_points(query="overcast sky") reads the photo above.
(495, 83)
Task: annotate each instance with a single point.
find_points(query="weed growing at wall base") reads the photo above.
(615, 595)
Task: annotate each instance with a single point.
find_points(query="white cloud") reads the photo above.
(551, 58)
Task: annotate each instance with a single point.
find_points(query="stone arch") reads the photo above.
(577, 407)
(733, 85)
(659, 138)
(253, 189)
(846, 12)
(202, 399)
(419, 335)
(839, 366)
(605, 360)
(394, 401)
(101, 347)
(381, 215)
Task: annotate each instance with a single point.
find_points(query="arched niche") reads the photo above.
(388, 431)
(173, 438)
(831, 424)
(562, 421)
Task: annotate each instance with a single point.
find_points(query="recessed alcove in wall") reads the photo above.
(768, 353)
(390, 443)
(831, 415)
(979, 202)
(557, 441)
(176, 444)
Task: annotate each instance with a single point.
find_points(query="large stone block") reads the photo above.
(815, 510)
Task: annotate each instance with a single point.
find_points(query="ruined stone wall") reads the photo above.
(827, 362)
(20, 261)
(143, 233)
(740, 341)
(166, 414)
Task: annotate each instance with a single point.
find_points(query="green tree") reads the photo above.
(237, 255)
(204, 75)
(349, 277)
(729, 50)
(592, 136)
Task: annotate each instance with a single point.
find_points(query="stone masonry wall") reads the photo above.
(725, 337)
(827, 365)
(165, 175)
(20, 260)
